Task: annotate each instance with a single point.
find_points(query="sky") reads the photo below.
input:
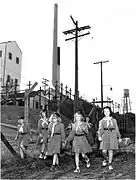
(113, 28)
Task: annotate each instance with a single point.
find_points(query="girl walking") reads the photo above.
(43, 133)
(80, 143)
(23, 135)
(108, 135)
(56, 139)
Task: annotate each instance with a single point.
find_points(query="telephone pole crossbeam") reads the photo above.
(75, 32)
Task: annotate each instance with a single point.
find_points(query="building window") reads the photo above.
(0, 53)
(16, 81)
(17, 60)
(10, 55)
(8, 78)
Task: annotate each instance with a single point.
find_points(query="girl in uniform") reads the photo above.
(56, 137)
(43, 133)
(80, 143)
(108, 135)
(23, 136)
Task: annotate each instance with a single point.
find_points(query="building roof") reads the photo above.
(11, 42)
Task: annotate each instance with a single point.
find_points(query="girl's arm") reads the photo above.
(85, 129)
(117, 129)
(71, 135)
(63, 136)
(16, 137)
(49, 130)
(39, 127)
(29, 131)
(100, 130)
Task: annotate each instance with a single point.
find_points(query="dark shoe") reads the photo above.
(52, 168)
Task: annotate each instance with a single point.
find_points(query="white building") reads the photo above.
(10, 63)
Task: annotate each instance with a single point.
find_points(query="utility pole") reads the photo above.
(29, 86)
(40, 98)
(15, 92)
(101, 62)
(75, 32)
(26, 97)
(45, 84)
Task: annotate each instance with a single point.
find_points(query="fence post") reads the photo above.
(15, 93)
(40, 98)
(27, 93)
(70, 93)
(61, 90)
(56, 88)
(66, 88)
(7, 144)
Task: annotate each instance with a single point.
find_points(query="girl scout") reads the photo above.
(80, 143)
(43, 133)
(108, 135)
(23, 135)
(56, 137)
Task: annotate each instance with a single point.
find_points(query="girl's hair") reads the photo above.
(79, 113)
(107, 107)
(58, 117)
(44, 110)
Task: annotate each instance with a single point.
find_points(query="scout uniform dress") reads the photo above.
(78, 135)
(43, 129)
(23, 133)
(56, 136)
(109, 132)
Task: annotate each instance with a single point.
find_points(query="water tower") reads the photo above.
(126, 102)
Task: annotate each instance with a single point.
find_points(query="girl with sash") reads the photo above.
(80, 143)
(43, 133)
(56, 139)
(108, 135)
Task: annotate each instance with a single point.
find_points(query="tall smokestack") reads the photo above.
(56, 50)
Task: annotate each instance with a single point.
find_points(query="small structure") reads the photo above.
(11, 60)
(126, 102)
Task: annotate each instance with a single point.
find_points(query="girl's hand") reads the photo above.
(120, 140)
(63, 145)
(15, 139)
(31, 139)
(40, 135)
(99, 138)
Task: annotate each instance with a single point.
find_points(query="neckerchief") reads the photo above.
(44, 121)
(53, 128)
(78, 125)
(109, 121)
(21, 130)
